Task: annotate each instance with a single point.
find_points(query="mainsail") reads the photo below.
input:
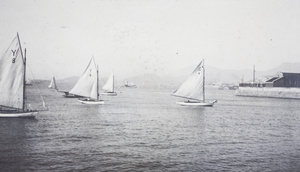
(52, 85)
(12, 67)
(87, 85)
(192, 88)
(109, 85)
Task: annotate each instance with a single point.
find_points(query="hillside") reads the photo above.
(213, 76)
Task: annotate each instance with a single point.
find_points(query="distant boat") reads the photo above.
(88, 85)
(228, 87)
(131, 85)
(52, 84)
(233, 87)
(12, 82)
(108, 88)
(193, 88)
(221, 87)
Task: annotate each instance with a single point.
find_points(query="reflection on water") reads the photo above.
(144, 130)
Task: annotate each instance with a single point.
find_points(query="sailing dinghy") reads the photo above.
(193, 88)
(88, 85)
(52, 84)
(12, 82)
(108, 88)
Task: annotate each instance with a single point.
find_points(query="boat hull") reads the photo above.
(91, 102)
(18, 114)
(130, 86)
(71, 96)
(194, 103)
(108, 94)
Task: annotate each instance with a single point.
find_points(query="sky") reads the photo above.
(135, 37)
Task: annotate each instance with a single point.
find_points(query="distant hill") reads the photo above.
(285, 67)
(213, 76)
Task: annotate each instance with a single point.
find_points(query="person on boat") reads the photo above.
(29, 109)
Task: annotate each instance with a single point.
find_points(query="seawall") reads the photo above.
(274, 92)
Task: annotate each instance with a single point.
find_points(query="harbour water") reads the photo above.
(144, 130)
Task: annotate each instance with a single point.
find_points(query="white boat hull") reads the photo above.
(130, 86)
(18, 114)
(194, 103)
(91, 102)
(108, 94)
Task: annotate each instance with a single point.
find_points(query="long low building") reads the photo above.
(282, 85)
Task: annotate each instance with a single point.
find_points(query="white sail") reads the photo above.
(87, 85)
(52, 84)
(192, 88)
(109, 85)
(12, 76)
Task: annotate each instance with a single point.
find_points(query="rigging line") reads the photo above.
(39, 91)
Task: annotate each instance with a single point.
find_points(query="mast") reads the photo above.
(113, 77)
(54, 82)
(253, 73)
(97, 84)
(24, 79)
(203, 82)
(24, 83)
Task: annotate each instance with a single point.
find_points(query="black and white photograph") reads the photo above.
(149, 85)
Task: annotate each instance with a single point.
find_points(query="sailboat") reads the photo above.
(193, 88)
(52, 84)
(67, 94)
(108, 88)
(88, 85)
(12, 82)
(130, 85)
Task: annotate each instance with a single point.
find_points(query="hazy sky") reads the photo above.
(130, 37)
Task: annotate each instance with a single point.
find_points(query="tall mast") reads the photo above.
(113, 77)
(24, 79)
(203, 82)
(24, 84)
(97, 84)
(253, 73)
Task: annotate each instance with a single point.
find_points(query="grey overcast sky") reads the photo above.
(131, 37)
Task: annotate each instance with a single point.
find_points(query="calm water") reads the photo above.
(144, 130)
